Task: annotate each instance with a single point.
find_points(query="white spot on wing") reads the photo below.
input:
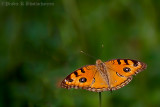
(65, 80)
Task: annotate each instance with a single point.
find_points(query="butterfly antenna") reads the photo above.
(88, 55)
(100, 99)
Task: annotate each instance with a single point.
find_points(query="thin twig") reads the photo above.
(100, 101)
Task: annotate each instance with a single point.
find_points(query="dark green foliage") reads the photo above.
(40, 46)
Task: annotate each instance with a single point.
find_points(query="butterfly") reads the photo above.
(104, 76)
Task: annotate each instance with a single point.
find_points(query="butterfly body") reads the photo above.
(104, 76)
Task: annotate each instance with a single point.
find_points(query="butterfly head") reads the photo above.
(99, 62)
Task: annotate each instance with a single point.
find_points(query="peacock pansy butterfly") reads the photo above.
(104, 76)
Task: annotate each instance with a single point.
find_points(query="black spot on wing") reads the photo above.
(75, 73)
(82, 70)
(68, 78)
(82, 80)
(119, 62)
(126, 69)
(126, 61)
(135, 63)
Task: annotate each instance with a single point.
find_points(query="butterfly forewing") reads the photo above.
(80, 78)
(125, 67)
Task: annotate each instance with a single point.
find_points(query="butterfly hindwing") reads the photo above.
(117, 81)
(99, 84)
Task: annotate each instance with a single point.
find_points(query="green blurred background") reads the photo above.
(40, 46)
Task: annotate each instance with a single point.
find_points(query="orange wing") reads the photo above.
(121, 71)
(80, 78)
(125, 67)
(99, 84)
(86, 78)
